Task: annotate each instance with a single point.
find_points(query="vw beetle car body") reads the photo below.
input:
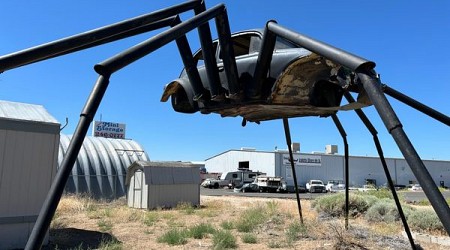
(299, 83)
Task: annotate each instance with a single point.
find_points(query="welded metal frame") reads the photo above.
(138, 25)
(362, 68)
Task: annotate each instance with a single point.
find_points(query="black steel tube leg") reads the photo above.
(393, 125)
(394, 193)
(374, 133)
(344, 138)
(287, 133)
(56, 190)
(417, 105)
(253, 91)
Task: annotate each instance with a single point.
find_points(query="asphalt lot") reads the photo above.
(410, 196)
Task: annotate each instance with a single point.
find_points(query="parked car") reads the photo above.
(247, 187)
(321, 91)
(291, 189)
(368, 187)
(210, 183)
(415, 187)
(335, 186)
(315, 186)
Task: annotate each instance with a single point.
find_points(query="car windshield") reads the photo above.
(316, 182)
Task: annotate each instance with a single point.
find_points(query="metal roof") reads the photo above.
(26, 112)
(165, 173)
(101, 166)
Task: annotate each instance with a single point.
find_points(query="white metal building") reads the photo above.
(162, 184)
(325, 167)
(29, 139)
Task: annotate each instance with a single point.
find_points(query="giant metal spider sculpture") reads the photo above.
(309, 80)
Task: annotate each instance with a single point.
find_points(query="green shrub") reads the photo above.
(228, 225)
(223, 240)
(150, 218)
(383, 210)
(250, 219)
(295, 231)
(174, 237)
(423, 202)
(334, 205)
(381, 193)
(105, 225)
(425, 220)
(249, 238)
(201, 230)
(272, 207)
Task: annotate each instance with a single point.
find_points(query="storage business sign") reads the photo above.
(109, 130)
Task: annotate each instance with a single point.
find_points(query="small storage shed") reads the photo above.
(29, 140)
(162, 184)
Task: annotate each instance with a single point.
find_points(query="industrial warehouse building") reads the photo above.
(325, 166)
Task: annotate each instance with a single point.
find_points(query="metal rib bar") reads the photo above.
(227, 51)
(209, 56)
(189, 63)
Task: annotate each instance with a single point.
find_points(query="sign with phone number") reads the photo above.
(109, 130)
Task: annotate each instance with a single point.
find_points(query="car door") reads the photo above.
(246, 46)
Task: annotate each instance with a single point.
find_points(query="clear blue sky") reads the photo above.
(409, 41)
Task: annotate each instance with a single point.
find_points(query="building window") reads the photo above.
(244, 165)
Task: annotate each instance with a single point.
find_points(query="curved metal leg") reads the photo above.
(344, 138)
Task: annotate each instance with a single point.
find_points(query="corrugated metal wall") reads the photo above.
(229, 161)
(330, 167)
(29, 138)
(101, 166)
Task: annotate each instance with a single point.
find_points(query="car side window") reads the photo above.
(244, 45)
(198, 56)
(282, 43)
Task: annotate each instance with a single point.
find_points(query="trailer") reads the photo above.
(232, 179)
(270, 183)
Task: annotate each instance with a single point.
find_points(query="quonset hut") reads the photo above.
(101, 167)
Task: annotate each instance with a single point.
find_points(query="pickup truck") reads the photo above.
(315, 186)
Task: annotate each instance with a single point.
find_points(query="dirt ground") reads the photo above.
(86, 224)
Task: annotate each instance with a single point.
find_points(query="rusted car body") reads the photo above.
(299, 83)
